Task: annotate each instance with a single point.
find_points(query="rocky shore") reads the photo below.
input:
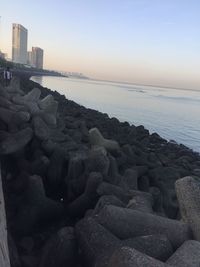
(85, 190)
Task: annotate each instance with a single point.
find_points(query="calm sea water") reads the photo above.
(172, 113)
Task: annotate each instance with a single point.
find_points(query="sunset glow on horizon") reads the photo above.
(139, 41)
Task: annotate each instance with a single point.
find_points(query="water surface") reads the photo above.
(172, 113)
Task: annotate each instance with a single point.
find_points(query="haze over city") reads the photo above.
(139, 41)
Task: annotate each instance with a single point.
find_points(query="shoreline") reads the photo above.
(66, 168)
(169, 135)
(132, 84)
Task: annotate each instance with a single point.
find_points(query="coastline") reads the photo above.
(73, 166)
(163, 111)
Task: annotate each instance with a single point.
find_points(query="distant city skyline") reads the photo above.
(139, 41)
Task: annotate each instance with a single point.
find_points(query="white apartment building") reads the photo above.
(19, 43)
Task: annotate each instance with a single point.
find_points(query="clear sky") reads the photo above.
(140, 41)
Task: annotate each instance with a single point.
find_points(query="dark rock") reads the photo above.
(164, 178)
(75, 187)
(143, 183)
(141, 132)
(39, 166)
(13, 253)
(129, 179)
(76, 167)
(158, 200)
(55, 174)
(131, 157)
(163, 159)
(141, 170)
(84, 132)
(122, 161)
(29, 260)
(3, 126)
(3, 92)
(27, 244)
(5, 103)
(58, 136)
(88, 199)
(48, 146)
(36, 208)
(113, 171)
(154, 160)
(60, 250)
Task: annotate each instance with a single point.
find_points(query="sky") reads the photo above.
(154, 42)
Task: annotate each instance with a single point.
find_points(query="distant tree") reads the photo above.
(4, 63)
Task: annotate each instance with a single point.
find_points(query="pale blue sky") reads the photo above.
(141, 41)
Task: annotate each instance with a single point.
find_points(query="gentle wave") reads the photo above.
(178, 98)
(136, 90)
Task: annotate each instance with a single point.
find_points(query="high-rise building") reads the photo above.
(37, 57)
(29, 58)
(19, 43)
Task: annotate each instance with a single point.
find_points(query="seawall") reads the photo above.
(77, 184)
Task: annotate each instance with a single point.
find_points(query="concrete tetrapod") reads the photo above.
(11, 117)
(141, 201)
(97, 160)
(155, 246)
(188, 194)
(30, 100)
(41, 129)
(127, 223)
(60, 250)
(188, 255)
(11, 143)
(110, 189)
(37, 209)
(129, 257)
(130, 179)
(88, 199)
(107, 200)
(49, 108)
(96, 243)
(14, 87)
(49, 105)
(96, 138)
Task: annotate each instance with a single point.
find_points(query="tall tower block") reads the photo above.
(19, 43)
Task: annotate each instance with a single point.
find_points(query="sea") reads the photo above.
(172, 113)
